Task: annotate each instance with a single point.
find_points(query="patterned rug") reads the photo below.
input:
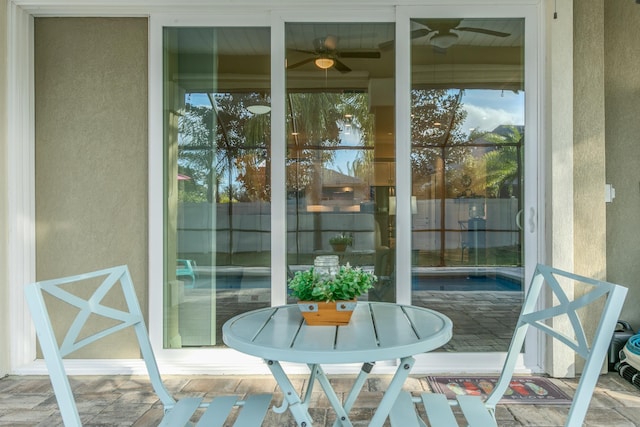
(526, 390)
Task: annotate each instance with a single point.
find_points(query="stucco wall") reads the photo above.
(91, 152)
(622, 84)
(589, 148)
(4, 294)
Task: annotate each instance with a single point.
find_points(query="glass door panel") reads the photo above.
(467, 136)
(216, 171)
(340, 165)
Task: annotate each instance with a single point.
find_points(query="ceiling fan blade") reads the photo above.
(421, 32)
(360, 54)
(482, 31)
(340, 66)
(298, 64)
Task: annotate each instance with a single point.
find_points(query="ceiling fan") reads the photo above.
(326, 55)
(443, 38)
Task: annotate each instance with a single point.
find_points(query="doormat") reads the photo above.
(526, 390)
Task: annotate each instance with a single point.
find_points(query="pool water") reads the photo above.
(482, 282)
(464, 283)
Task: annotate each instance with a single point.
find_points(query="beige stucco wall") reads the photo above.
(588, 133)
(4, 294)
(91, 152)
(622, 101)
(589, 208)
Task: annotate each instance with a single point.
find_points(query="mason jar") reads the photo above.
(326, 266)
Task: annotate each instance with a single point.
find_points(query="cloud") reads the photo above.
(487, 118)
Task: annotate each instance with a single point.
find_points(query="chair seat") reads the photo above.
(403, 413)
(253, 411)
(440, 411)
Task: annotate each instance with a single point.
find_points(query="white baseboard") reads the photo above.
(430, 363)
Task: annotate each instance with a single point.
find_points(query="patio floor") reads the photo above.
(129, 400)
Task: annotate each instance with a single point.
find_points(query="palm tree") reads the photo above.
(502, 165)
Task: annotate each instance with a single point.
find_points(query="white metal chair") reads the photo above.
(481, 413)
(122, 314)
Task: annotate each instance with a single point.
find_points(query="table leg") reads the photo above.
(390, 396)
(310, 384)
(298, 409)
(356, 388)
(341, 414)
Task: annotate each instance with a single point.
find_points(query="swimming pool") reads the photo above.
(419, 282)
(480, 282)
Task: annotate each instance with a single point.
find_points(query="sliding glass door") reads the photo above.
(406, 137)
(217, 141)
(467, 174)
(340, 146)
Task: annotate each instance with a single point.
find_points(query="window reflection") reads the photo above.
(217, 174)
(340, 146)
(467, 134)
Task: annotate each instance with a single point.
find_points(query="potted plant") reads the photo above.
(326, 299)
(340, 242)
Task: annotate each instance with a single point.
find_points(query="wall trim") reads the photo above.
(21, 183)
(240, 364)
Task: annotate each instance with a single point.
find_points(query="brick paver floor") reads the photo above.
(129, 401)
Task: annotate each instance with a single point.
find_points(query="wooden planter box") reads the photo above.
(320, 313)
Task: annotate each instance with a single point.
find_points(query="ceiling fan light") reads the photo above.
(259, 109)
(324, 63)
(443, 41)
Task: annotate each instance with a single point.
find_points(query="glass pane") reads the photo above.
(217, 161)
(467, 135)
(341, 147)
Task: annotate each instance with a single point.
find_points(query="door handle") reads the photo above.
(532, 220)
(518, 216)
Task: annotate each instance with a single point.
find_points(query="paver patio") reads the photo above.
(129, 400)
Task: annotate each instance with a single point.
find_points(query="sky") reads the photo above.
(487, 109)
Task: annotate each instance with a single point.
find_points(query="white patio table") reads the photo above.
(377, 331)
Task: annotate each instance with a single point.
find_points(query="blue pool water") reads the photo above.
(482, 282)
(464, 283)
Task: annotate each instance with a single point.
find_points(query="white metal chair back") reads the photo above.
(595, 293)
(176, 413)
(612, 297)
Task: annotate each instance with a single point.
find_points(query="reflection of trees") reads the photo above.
(502, 165)
(215, 140)
(196, 148)
(485, 164)
(436, 120)
(251, 173)
(314, 121)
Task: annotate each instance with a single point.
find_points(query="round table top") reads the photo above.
(377, 331)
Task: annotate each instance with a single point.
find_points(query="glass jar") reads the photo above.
(326, 266)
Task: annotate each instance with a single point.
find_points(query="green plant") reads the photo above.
(341, 239)
(348, 283)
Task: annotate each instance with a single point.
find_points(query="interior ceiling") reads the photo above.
(244, 52)
(351, 36)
